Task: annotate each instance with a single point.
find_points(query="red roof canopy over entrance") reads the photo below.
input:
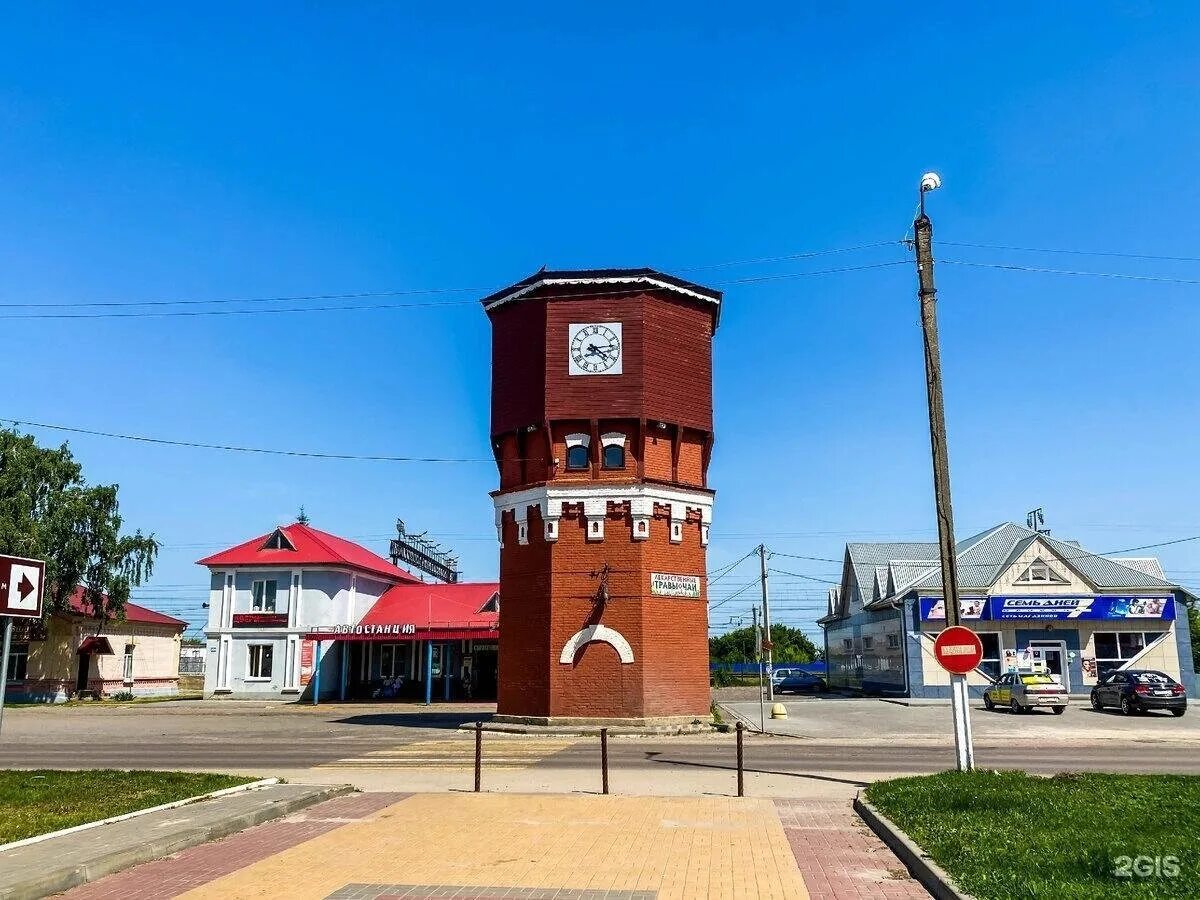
(427, 612)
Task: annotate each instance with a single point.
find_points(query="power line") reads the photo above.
(1111, 253)
(713, 579)
(806, 577)
(811, 558)
(1012, 267)
(377, 306)
(740, 591)
(234, 449)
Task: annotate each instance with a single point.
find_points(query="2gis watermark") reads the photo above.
(1146, 866)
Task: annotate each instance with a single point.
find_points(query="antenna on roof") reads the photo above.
(1035, 519)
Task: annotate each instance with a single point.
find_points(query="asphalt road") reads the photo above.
(278, 736)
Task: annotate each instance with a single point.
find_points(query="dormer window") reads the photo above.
(278, 541)
(492, 605)
(1039, 572)
(613, 454)
(578, 456)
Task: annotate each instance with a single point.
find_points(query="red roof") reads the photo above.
(435, 606)
(133, 612)
(313, 548)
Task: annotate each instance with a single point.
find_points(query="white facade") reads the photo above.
(255, 659)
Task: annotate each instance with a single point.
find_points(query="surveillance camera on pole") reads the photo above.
(923, 234)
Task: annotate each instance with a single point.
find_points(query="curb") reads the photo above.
(224, 792)
(72, 875)
(932, 877)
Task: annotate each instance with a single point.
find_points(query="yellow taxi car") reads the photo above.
(1023, 692)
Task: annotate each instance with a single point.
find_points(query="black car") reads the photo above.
(797, 682)
(1139, 690)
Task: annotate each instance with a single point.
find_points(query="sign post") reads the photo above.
(958, 650)
(21, 586)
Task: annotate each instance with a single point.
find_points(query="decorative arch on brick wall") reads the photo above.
(597, 633)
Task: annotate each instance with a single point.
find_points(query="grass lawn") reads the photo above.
(43, 800)
(1008, 834)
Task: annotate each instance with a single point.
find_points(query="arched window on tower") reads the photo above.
(577, 451)
(612, 455)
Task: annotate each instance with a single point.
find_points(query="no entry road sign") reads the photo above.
(958, 650)
(21, 585)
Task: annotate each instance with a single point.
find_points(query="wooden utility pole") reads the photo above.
(923, 232)
(959, 696)
(767, 645)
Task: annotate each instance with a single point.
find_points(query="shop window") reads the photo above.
(436, 664)
(1115, 648)
(263, 593)
(993, 653)
(127, 665)
(393, 660)
(18, 662)
(260, 660)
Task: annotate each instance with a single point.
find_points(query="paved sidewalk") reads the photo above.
(839, 856)
(537, 847)
(56, 864)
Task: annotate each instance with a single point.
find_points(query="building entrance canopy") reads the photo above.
(423, 612)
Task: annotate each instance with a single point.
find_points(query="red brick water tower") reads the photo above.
(602, 428)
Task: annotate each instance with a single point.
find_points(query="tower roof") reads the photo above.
(616, 280)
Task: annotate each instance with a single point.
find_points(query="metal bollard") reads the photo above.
(478, 755)
(741, 781)
(604, 756)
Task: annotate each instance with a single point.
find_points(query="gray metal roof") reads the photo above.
(983, 557)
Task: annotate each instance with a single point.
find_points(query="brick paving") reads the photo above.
(839, 856)
(199, 865)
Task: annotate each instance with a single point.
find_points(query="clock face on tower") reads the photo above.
(594, 348)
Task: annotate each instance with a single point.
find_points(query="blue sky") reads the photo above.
(168, 152)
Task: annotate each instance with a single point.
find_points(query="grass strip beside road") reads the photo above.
(40, 801)
(1009, 834)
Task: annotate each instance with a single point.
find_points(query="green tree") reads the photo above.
(47, 511)
(789, 645)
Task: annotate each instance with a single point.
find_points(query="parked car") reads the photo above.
(798, 682)
(779, 674)
(1021, 693)
(1139, 690)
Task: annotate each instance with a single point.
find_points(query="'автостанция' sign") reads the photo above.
(664, 585)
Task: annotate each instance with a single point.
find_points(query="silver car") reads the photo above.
(1022, 693)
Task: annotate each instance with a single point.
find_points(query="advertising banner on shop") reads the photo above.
(934, 608)
(1081, 608)
(1053, 608)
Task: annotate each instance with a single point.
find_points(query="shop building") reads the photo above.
(74, 654)
(303, 613)
(1032, 599)
(602, 429)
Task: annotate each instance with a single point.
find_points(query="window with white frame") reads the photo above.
(613, 454)
(868, 642)
(993, 653)
(262, 594)
(259, 661)
(578, 456)
(18, 662)
(1039, 572)
(127, 664)
(1115, 648)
